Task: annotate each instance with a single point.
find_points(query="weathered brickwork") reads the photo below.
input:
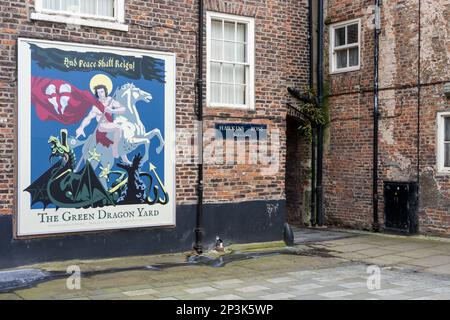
(281, 60)
(348, 157)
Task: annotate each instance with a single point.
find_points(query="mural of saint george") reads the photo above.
(93, 127)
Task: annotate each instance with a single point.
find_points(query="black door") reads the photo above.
(400, 206)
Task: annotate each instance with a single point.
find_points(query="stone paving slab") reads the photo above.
(305, 235)
(200, 290)
(280, 280)
(387, 260)
(420, 253)
(277, 296)
(252, 289)
(375, 252)
(354, 247)
(10, 296)
(225, 297)
(432, 261)
(107, 296)
(444, 269)
(336, 294)
(307, 286)
(140, 292)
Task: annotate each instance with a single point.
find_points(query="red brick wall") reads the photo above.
(281, 61)
(348, 157)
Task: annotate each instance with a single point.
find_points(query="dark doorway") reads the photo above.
(298, 189)
(400, 206)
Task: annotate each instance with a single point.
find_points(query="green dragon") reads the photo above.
(64, 188)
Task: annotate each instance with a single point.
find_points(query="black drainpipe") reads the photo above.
(376, 115)
(313, 138)
(415, 220)
(419, 89)
(319, 188)
(310, 39)
(199, 83)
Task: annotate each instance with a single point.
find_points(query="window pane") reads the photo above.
(447, 129)
(106, 8)
(353, 57)
(341, 59)
(352, 34)
(241, 32)
(239, 74)
(228, 78)
(241, 56)
(229, 31)
(447, 155)
(216, 49)
(227, 73)
(51, 4)
(339, 37)
(70, 5)
(216, 29)
(240, 94)
(228, 93)
(229, 51)
(215, 71)
(215, 92)
(88, 6)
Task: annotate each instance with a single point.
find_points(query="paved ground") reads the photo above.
(322, 265)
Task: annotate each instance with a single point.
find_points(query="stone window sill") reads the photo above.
(74, 20)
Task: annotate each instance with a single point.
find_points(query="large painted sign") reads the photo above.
(96, 130)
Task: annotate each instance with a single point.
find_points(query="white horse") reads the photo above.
(133, 134)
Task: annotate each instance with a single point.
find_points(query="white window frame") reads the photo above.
(250, 84)
(333, 49)
(115, 23)
(440, 149)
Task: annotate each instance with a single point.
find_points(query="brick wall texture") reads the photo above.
(348, 150)
(281, 60)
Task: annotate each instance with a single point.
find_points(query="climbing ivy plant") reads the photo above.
(313, 115)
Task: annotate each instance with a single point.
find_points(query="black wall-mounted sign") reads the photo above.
(242, 131)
